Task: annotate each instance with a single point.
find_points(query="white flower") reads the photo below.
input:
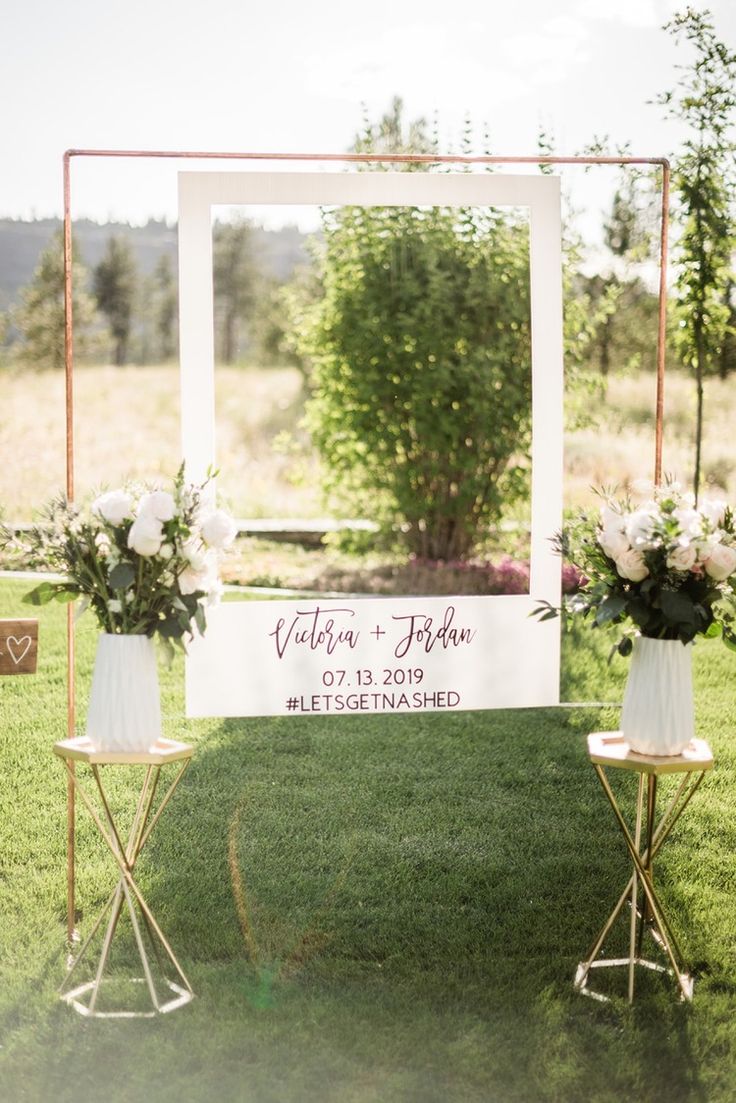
(640, 529)
(218, 529)
(145, 535)
(721, 563)
(103, 545)
(689, 520)
(190, 581)
(165, 551)
(682, 558)
(630, 564)
(612, 520)
(613, 543)
(158, 504)
(714, 511)
(195, 555)
(200, 575)
(114, 605)
(114, 507)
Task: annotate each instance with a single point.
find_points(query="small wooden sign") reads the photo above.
(18, 646)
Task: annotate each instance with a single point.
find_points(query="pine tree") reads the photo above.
(115, 279)
(234, 275)
(39, 316)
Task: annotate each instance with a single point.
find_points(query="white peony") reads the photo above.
(218, 529)
(158, 504)
(682, 558)
(714, 511)
(630, 564)
(721, 563)
(115, 506)
(146, 535)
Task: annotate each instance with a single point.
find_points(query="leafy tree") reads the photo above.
(626, 331)
(234, 274)
(39, 316)
(115, 281)
(704, 180)
(391, 135)
(421, 367)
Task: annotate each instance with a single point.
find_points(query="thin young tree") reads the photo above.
(704, 181)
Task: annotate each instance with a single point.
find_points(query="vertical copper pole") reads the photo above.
(69, 370)
(662, 331)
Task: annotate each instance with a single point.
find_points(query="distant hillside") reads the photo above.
(21, 244)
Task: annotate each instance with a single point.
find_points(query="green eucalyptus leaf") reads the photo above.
(41, 594)
(610, 609)
(122, 576)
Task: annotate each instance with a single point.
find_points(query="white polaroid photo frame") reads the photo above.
(390, 654)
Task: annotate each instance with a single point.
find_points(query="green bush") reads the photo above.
(420, 368)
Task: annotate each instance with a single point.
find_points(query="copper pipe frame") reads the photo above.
(345, 158)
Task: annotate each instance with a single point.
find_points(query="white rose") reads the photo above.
(158, 504)
(682, 558)
(640, 529)
(114, 507)
(722, 562)
(630, 564)
(145, 535)
(613, 543)
(714, 511)
(218, 529)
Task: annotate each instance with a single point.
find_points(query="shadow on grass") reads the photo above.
(411, 895)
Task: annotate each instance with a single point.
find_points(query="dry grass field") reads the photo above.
(127, 425)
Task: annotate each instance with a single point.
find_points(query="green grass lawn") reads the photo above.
(372, 909)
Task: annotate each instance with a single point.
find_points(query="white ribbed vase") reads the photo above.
(124, 705)
(657, 716)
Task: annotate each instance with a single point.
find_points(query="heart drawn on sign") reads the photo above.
(18, 647)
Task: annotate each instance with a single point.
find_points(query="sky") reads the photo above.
(296, 76)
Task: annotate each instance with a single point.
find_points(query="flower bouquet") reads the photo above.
(144, 560)
(665, 570)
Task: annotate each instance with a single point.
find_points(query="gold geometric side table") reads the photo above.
(84, 998)
(610, 749)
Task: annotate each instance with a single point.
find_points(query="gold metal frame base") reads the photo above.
(182, 997)
(582, 976)
(610, 749)
(126, 897)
